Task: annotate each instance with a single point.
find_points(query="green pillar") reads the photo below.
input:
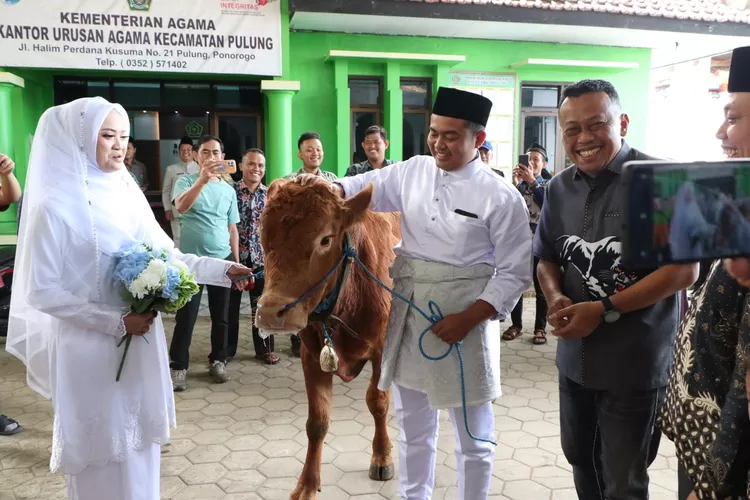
(278, 134)
(8, 82)
(394, 111)
(343, 157)
(439, 79)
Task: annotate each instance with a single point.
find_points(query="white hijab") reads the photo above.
(106, 209)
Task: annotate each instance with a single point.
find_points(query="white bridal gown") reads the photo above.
(98, 420)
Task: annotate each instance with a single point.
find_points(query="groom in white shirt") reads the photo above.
(466, 246)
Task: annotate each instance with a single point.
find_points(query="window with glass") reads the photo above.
(366, 100)
(417, 106)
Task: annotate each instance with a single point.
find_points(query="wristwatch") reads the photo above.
(610, 314)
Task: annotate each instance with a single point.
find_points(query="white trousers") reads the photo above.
(175, 225)
(137, 478)
(418, 445)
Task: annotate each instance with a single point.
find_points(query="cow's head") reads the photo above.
(302, 234)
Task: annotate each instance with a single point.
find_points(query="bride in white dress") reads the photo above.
(81, 207)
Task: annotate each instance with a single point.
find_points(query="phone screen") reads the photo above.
(686, 212)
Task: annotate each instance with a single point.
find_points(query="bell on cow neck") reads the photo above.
(329, 361)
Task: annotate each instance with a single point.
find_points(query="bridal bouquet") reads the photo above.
(151, 280)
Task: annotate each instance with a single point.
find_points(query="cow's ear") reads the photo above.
(274, 187)
(357, 205)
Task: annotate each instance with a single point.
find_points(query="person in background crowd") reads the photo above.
(616, 326)
(311, 153)
(474, 260)
(251, 199)
(67, 314)
(136, 168)
(485, 152)
(186, 166)
(375, 143)
(10, 192)
(531, 187)
(209, 217)
(706, 410)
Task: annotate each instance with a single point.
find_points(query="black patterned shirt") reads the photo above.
(706, 410)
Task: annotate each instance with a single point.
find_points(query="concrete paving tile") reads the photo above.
(525, 490)
(209, 473)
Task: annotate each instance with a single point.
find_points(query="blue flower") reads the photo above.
(174, 280)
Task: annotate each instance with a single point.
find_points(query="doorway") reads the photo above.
(239, 132)
(539, 123)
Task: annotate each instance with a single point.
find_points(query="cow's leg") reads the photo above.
(319, 393)
(381, 465)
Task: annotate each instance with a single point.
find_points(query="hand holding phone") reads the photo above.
(685, 212)
(227, 167)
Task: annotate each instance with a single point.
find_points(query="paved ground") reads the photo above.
(245, 440)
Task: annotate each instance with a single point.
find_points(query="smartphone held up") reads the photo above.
(227, 167)
(686, 212)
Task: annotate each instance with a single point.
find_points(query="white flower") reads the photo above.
(138, 287)
(155, 274)
(151, 279)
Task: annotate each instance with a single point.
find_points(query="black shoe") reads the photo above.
(296, 344)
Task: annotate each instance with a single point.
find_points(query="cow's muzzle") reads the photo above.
(274, 317)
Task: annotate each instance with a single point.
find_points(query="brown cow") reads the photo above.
(303, 231)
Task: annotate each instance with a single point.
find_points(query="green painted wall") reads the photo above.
(315, 104)
(27, 105)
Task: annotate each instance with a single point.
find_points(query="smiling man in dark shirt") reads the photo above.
(616, 326)
(374, 144)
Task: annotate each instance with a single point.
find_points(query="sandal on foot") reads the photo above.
(513, 332)
(540, 337)
(271, 358)
(8, 426)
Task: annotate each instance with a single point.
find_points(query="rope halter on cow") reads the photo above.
(324, 312)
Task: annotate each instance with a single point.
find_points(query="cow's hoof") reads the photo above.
(302, 493)
(381, 472)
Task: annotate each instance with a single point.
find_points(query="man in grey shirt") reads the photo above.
(616, 326)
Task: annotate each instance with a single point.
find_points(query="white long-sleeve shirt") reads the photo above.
(431, 230)
(171, 175)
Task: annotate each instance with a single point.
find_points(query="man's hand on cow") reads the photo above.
(243, 275)
(739, 269)
(582, 319)
(453, 328)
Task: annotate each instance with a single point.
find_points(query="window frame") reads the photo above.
(426, 110)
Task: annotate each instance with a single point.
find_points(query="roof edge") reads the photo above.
(499, 13)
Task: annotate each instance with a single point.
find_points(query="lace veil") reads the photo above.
(105, 209)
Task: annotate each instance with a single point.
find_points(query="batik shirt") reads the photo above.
(706, 409)
(250, 206)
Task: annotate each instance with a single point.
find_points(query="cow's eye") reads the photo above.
(325, 241)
